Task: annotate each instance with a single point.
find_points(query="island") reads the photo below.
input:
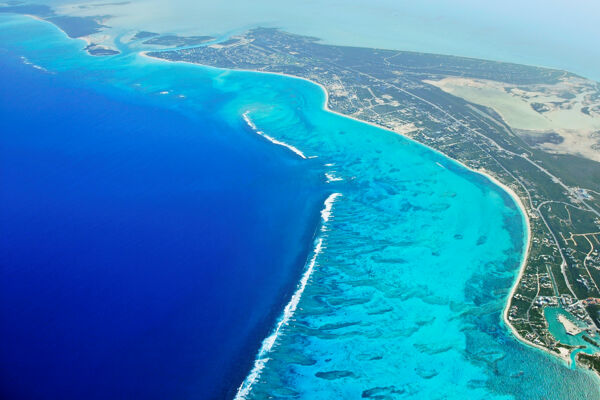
(76, 27)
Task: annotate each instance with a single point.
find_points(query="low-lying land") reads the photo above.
(91, 28)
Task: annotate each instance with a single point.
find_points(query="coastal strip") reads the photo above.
(562, 356)
(267, 345)
(565, 357)
(93, 49)
(86, 39)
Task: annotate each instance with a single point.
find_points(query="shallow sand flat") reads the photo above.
(560, 109)
(570, 327)
(581, 143)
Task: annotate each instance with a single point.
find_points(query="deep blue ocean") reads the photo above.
(160, 240)
(143, 254)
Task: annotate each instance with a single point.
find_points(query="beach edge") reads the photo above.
(563, 358)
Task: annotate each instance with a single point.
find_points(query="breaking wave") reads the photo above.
(267, 345)
(270, 138)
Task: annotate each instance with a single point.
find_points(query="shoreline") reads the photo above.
(86, 39)
(565, 358)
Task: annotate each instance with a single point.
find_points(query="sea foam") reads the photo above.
(331, 177)
(267, 344)
(27, 62)
(253, 126)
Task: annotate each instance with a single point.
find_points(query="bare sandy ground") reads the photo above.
(569, 109)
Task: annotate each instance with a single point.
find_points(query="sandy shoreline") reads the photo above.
(86, 39)
(491, 178)
(564, 357)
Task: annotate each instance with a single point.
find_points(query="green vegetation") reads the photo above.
(590, 361)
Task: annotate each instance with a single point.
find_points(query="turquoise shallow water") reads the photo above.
(406, 300)
(417, 258)
(560, 333)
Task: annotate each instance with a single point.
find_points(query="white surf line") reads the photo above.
(326, 211)
(331, 177)
(26, 61)
(267, 345)
(270, 138)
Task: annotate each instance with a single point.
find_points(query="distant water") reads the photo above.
(558, 34)
(151, 240)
